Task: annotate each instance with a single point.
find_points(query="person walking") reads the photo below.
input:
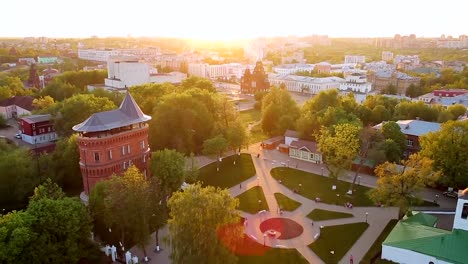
(351, 259)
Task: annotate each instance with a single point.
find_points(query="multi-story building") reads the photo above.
(47, 60)
(446, 97)
(16, 106)
(387, 55)
(354, 59)
(293, 68)
(227, 71)
(356, 82)
(413, 129)
(305, 84)
(383, 79)
(37, 129)
(110, 142)
(323, 67)
(124, 72)
(256, 81)
(104, 54)
(27, 61)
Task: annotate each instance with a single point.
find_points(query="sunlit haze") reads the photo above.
(223, 19)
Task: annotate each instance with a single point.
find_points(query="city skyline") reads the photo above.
(229, 20)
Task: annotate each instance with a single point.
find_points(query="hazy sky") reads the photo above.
(229, 19)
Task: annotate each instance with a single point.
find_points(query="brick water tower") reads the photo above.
(109, 142)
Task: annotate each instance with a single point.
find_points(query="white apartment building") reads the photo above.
(229, 70)
(356, 82)
(387, 55)
(104, 54)
(97, 54)
(354, 59)
(413, 59)
(305, 84)
(293, 68)
(124, 72)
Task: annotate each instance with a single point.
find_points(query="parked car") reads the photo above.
(451, 194)
(18, 135)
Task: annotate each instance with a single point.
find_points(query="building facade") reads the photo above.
(110, 142)
(37, 129)
(16, 106)
(383, 79)
(354, 59)
(47, 60)
(305, 84)
(387, 55)
(356, 83)
(256, 81)
(293, 68)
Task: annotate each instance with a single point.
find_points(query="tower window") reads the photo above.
(123, 150)
(110, 153)
(128, 149)
(96, 156)
(143, 144)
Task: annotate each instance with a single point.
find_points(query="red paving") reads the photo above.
(287, 227)
(243, 245)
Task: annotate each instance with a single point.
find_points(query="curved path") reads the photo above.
(377, 218)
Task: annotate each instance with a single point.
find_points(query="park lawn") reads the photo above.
(286, 203)
(250, 116)
(314, 185)
(339, 238)
(275, 255)
(377, 246)
(248, 200)
(257, 135)
(320, 215)
(229, 174)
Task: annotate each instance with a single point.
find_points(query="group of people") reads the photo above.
(348, 205)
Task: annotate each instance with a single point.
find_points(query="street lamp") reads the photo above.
(264, 238)
(288, 163)
(359, 180)
(367, 214)
(322, 171)
(259, 204)
(300, 187)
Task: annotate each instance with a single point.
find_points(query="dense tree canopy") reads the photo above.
(168, 169)
(279, 112)
(340, 146)
(196, 217)
(76, 109)
(449, 150)
(397, 184)
(53, 229)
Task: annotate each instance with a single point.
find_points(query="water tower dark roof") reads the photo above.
(127, 114)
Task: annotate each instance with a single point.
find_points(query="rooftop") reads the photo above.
(311, 146)
(127, 114)
(36, 118)
(24, 102)
(415, 127)
(414, 234)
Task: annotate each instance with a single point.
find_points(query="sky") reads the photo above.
(232, 19)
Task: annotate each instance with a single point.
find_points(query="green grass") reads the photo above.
(248, 201)
(314, 185)
(257, 135)
(320, 215)
(377, 246)
(229, 174)
(286, 203)
(250, 116)
(339, 239)
(275, 255)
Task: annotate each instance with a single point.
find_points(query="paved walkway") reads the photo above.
(377, 217)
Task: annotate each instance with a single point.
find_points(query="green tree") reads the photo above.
(5, 93)
(448, 148)
(49, 190)
(216, 145)
(339, 147)
(196, 239)
(60, 90)
(43, 102)
(18, 176)
(456, 110)
(198, 82)
(396, 184)
(77, 109)
(125, 204)
(395, 141)
(53, 229)
(236, 136)
(168, 169)
(279, 112)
